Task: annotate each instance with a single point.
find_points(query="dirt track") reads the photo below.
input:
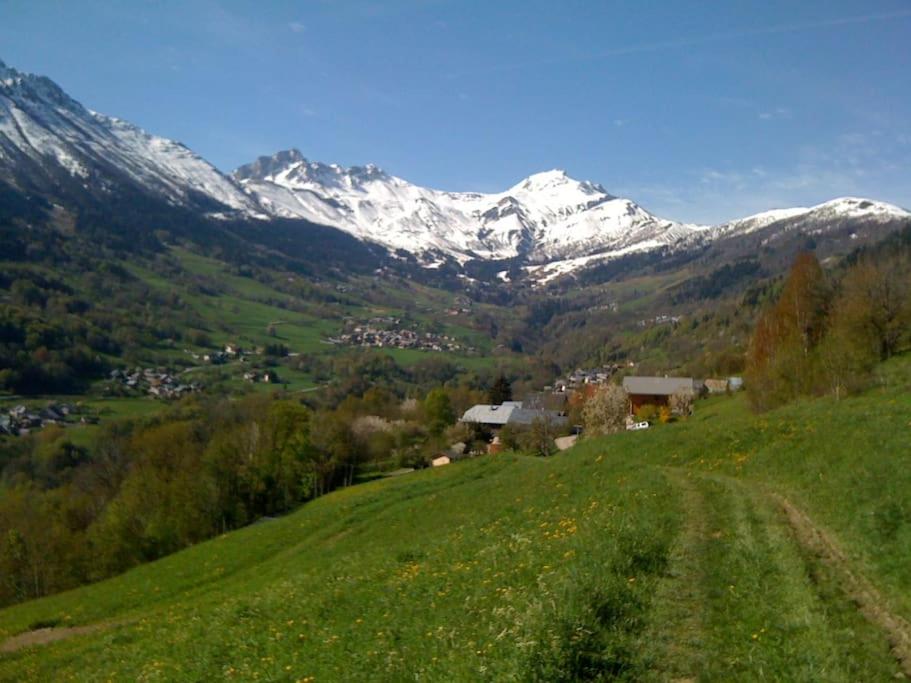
(868, 600)
(43, 636)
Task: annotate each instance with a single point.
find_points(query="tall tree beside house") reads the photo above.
(500, 391)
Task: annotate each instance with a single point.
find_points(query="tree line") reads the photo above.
(143, 488)
(827, 333)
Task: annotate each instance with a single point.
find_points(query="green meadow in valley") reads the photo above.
(668, 554)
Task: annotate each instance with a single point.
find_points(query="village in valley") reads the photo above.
(22, 419)
(389, 332)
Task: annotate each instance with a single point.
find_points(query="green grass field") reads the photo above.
(657, 555)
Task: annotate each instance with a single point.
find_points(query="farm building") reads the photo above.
(455, 452)
(656, 391)
(716, 386)
(510, 412)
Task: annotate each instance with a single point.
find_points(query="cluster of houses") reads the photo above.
(368, 335)
(229, 353)
(659, 320)
(581, 377)
(21, 420)
(461, 306)
(550, 405)
(156, 382)
(265, 376)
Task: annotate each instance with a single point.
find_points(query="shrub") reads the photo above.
(510, 437)
(539, 438)
(647, 413)
(681, 403)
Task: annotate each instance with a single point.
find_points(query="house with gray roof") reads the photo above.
(510, 412)
(657, 391)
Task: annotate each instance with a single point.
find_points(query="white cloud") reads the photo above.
(854, 163)
(776, 113)
(297, 27)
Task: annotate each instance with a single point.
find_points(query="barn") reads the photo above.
(656, 391)
(511, 412)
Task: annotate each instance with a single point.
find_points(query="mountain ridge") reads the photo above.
(549, 224)
(552, 222)
(544, 216)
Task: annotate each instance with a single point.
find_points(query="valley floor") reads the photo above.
(727, 547)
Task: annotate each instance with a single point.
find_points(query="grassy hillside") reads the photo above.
(655, 555)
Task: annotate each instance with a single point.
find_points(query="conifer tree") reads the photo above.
(500, 391)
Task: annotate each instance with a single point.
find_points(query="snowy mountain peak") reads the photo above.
(34, 88)
(45, 133)
(291, 168)
(556, 180)
(556, 176)
(837, 209)
(545, 216)
(861, 206)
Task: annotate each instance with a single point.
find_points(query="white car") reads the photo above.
(635, 426)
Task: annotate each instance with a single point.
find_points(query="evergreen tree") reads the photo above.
(500, 391)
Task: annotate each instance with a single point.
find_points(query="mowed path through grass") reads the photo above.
(745, 600)
(664, 555)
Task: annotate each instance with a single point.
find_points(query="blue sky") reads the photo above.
(699, 111)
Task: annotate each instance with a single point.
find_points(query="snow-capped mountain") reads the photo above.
(842, 221)
(548, 216)
(809, 220)
(44, 132)
(53, 147)
(553, 223)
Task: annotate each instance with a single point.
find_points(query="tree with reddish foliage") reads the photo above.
(781, 362)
